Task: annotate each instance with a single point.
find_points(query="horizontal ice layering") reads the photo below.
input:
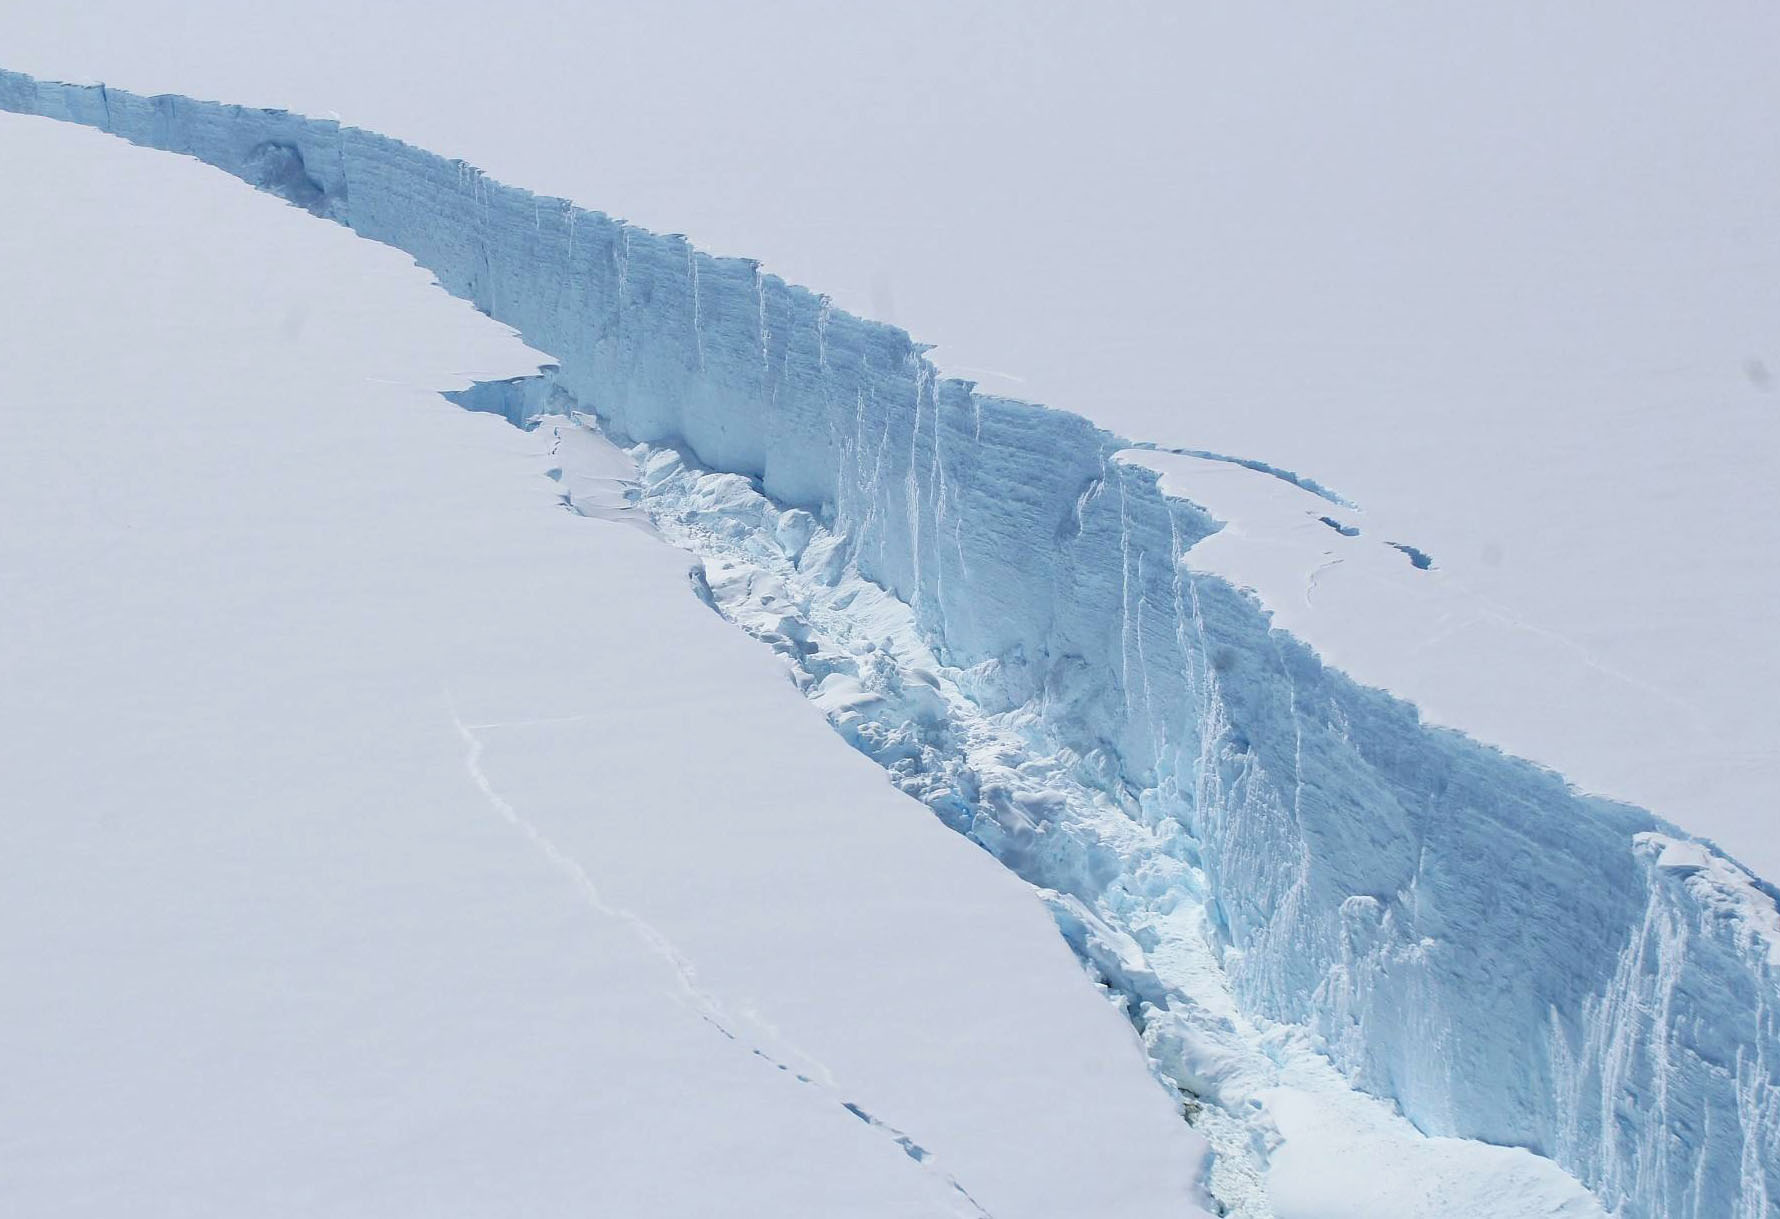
(1468, 937)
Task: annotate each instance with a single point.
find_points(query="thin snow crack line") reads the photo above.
(1315, 576)
(700, 1001)
(571, 867)
(537, 722)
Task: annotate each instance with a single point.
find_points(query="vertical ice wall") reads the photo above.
(1506, 959)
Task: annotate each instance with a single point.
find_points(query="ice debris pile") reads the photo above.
(1460, 932)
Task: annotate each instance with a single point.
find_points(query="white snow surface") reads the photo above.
(1506, 278)
(382, 839)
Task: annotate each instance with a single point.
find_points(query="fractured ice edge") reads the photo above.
(1456, 929)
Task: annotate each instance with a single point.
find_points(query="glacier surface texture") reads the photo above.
(1458, 930)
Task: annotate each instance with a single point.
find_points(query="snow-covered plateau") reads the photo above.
(1287, 881)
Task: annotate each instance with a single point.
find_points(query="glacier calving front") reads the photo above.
(1504, 958)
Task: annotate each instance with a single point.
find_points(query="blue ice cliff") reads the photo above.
(985, 599)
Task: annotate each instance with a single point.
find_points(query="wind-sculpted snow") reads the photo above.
(1459, 931)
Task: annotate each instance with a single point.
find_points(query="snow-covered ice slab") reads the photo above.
(381, 839)
(1387, 613)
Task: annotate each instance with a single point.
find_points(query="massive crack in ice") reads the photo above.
(1455, 929)
(997, 774)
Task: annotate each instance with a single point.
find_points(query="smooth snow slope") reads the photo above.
(382, 839)
(1507, 277)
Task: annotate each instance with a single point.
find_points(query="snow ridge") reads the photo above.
(1456, 929)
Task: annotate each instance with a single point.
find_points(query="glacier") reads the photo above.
(1457, 930)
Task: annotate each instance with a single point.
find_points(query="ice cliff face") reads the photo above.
(1455, 928)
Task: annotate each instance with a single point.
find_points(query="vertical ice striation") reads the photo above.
(1462, 933)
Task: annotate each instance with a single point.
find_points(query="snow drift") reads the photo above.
(1502, 957)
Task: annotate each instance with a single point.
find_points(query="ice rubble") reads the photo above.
(1457, 930)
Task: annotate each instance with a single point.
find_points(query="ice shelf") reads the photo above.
(1458, 930)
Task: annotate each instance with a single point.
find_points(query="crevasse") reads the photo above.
(857, 652)
(1456, 929)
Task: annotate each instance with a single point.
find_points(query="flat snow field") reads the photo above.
(382, 839)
